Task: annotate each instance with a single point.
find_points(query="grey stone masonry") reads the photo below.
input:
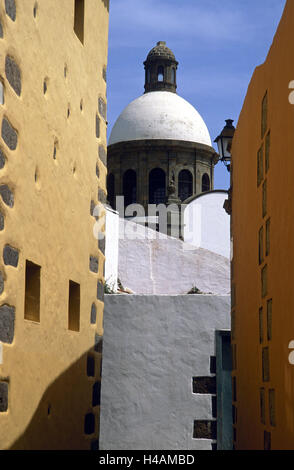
(13, 74)
(7, 195)
(102, 154)
(3, 397)
(10, 9)
(2, 159)
(102, 108)
(93, 314)
(10, 256)
(9, 134)
(7, 319)
(100, 291)
(93, 264)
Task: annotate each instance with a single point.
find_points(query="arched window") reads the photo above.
(185, 184)
(130, 187)
(160, 73)
(205, 183)
(148, 76)
(173, 75)
(157, 192)
(110, 189)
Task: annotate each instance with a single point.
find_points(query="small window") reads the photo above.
(32, 292)
(267, 237)
(264, 115)
(269, 308)
(79, 15)
(173, 75)
(205, 183)
(260, 246)
(267, 151)
(261, 325)
(160, 74)
(265, 365)
(264, 199)
(148, 76)
(264, 281)
(74, 306)
(260, 165)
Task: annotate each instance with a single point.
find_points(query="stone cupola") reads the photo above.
(160, 69)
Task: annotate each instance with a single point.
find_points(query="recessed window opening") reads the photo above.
(130, 187)
(157, 191)
(32, 292)
(185, 184)
(148, 76)
(173, 75)
(74, 306)
(205, 183)
(79, 17)
(160, 74)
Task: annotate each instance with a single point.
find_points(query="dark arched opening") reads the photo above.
(205, 183)
(185, 184)
(110, 189)
(130, 187)
(157, 192)
(160, 73)
(173, 75)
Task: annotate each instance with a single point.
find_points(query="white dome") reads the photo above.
(160, 115)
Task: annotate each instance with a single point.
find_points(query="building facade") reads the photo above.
(53, 173)
(159, 140)
(263, 254)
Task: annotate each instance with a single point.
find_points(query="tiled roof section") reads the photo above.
(160, 50)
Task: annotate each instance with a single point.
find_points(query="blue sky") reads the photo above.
(217, 43)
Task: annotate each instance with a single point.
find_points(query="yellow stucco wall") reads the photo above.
(274, 428)
(50, 224)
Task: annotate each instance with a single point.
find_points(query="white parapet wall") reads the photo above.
(153, 346)
(111, 247)
(207, 225)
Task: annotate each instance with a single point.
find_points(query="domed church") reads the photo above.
(159, 141)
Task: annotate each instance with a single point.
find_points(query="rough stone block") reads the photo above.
(102, 154)
(98, 343)
(2, 159)
(102, 108)
(10, 9)
(101, 245)
(93, 314)
(204, 429)
(96, 394)
(1, 283)
(95, 445)
(204, 385)
(2, 220)
(3, 397)
(102, 196)
(9, 134)
(13, 74)
(89, 426)
(97, 126)
(267, 440)
(7, 195)
(7, 319)
(100, 291)
(93, 264)
(10, 256)
(90, 365)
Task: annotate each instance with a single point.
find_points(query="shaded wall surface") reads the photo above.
(263, 260)
(158, 373)
(52, 153)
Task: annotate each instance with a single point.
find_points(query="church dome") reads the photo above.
(160, 115)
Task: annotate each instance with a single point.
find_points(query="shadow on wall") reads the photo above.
(67, 417)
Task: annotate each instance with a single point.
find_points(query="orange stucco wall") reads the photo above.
(274, 77)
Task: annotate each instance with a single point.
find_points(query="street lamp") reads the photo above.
(224, 143)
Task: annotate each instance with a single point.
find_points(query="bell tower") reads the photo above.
(160, 69)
